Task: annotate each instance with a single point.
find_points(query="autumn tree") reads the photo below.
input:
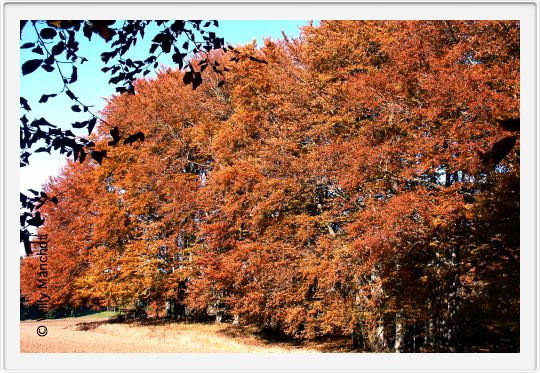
(360, 181)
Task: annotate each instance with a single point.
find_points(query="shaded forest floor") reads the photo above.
(99, 335)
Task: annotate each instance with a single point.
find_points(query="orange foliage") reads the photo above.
(338, 189)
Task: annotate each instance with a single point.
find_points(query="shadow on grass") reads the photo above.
(69, 313)
(155, 321)
(268, 337)
(329, 344)
(89, 325)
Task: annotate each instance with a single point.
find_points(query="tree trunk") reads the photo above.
(380, 336)
(400, 333)
(429, 339)
(358, 338)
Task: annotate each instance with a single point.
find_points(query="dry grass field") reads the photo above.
(97, 335)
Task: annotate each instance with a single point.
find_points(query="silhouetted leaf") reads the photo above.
(47, 33)
(41, 122)
(258, 60)
(38, 50)
(98, 155)
(178, 57)
(178, 26)
(165, 41)
(27, 45)
(218, 43)
(197, 80)
(79, 124)
(49, 60)
(43, 149)
(73, 78)
(70, 94)
(58, 48)
(25, 239)
(30, 66)
(22, 23)
(76, 108)
(132, 138)
(36, 220)
(188, 77)
(47, 68)
(499, 151)
(24, 104)
(87, 31)
(115, 135)
(101, 27)
(44, 98)
(106, 56)
(511, 125)
(91, 124)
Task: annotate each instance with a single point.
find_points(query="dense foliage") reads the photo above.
(364, 182)
(54, 46)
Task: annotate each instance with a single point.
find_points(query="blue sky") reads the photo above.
(92, 87)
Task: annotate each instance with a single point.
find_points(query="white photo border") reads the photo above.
(14, 360)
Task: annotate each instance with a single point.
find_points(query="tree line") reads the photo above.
(363, 181)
